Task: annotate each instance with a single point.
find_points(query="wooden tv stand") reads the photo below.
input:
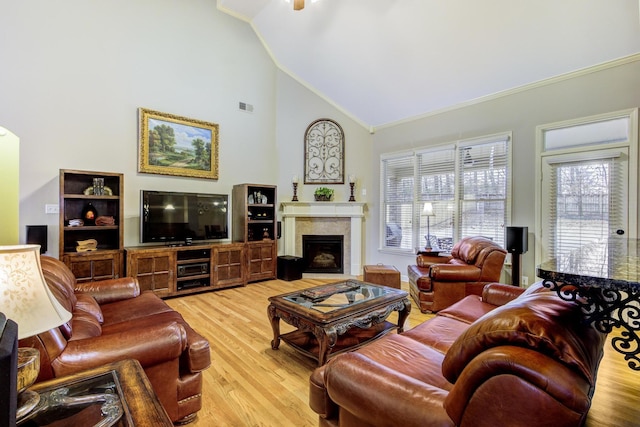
(185, 269)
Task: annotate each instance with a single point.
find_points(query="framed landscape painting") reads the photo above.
(174, 145)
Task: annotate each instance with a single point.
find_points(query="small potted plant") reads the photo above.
(323, 194)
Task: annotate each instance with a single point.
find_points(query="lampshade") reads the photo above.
(427, 209)
(25, 297)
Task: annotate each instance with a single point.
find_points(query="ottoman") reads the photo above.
(385, 275)
(290, 267)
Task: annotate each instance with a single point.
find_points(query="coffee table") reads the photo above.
(337, 317)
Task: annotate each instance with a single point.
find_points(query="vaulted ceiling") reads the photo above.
(384, 61)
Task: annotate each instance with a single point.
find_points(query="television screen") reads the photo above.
(175, 217)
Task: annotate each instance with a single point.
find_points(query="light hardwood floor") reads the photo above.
(249, 384)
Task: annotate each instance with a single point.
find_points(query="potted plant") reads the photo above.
(323, 194)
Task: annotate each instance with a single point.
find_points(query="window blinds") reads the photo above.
(397, 176)
(483, 189)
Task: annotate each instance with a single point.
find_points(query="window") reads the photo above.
(467, 187)
(586, 187)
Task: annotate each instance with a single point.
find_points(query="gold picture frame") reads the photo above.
(175, 145)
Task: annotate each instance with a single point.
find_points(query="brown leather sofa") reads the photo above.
(484, 361)
(436, 282)
(111, 320)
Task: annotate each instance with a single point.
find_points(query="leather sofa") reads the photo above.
(501, 359)
(436, 282)
(111, 320)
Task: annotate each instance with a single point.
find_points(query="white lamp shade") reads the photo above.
(25, 297)
(427, 209)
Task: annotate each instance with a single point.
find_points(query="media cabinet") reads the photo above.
(180, 270)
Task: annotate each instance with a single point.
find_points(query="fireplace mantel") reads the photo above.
(352, 210)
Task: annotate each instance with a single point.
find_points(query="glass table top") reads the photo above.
(339, 295)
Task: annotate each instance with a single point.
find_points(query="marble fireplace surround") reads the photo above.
(325, 218)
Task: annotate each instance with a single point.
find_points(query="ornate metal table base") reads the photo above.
(608, 309)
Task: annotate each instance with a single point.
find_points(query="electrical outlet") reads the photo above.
(525, 281)
(51, 209)
(364, 191)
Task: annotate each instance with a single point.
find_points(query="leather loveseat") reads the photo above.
(436, 282)
(111, 320)
(484, 361)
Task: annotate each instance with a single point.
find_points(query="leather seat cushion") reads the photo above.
(439, 332)
(405, 355)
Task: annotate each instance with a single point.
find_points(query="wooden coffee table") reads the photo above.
(337, 317)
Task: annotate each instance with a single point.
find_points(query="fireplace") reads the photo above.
(323, 253)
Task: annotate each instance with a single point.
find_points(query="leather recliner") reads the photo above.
(436, 282)
(111, 320)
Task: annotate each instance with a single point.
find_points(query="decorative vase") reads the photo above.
(322, 198)
(89, 214)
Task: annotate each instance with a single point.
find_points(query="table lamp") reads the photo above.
(427, 210)
(27, 300)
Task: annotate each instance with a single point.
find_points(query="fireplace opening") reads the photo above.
(323, 254)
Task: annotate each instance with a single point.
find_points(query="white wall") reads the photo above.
(78, 71)
(599, 91)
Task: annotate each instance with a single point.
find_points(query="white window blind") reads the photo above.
(436, 171)
(467, 184)
(398, 199)
(483, 189)
(587, 201)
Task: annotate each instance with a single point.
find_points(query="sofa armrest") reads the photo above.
(429, 260)
(151, 346)
(111, 290)
(500, 294)
(538, 386)
(378, 395)
(455, 273)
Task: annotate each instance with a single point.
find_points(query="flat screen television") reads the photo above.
(172, 217)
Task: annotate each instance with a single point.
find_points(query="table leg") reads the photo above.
(275, 325)
(403, 314)
(327, 339)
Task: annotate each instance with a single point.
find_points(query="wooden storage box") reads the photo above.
(385, 275)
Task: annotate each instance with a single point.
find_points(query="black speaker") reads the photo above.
(37, 235)
(517, 239)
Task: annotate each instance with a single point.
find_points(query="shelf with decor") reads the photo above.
(90, 224)
(255, 224)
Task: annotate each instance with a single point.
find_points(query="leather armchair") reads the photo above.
(111, 321)
(436, 282)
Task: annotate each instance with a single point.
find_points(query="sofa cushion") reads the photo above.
(467, 310)
(530, 321)
(439, 332)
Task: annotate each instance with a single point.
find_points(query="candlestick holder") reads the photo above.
(352, 198)
(295, 192)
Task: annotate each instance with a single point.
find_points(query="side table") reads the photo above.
(140, 405)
